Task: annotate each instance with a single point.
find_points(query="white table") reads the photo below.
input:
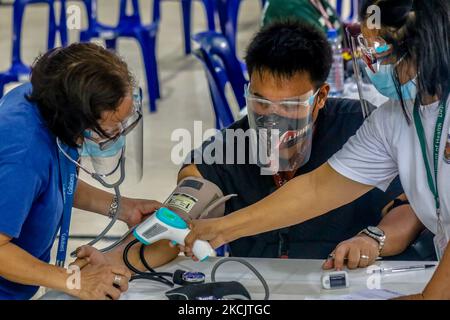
(287, 279)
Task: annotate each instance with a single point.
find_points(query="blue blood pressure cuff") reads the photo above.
(231, 290)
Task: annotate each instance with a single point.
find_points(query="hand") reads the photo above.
(209, 230)
(359, 251)
(89, 255)
(100, 282)
(134, 211)
(100, 277)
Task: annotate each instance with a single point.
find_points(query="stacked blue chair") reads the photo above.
(19, 71)
(210, 10)
(221, 67)
(129, 26)
(217, 79)
(353, 10)
(228, 16)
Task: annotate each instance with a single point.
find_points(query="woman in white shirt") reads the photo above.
(407, 136)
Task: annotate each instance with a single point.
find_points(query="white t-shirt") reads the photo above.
(386, 146)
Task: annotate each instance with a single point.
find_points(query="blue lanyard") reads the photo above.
(68, 173)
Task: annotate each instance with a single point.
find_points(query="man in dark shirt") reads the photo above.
(287, 60)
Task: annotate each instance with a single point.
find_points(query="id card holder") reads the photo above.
(440, 242)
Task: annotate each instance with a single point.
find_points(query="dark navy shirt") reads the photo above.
(316, 238)
(31, 202)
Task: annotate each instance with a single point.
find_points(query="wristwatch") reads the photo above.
(113, 207)
(377, 234)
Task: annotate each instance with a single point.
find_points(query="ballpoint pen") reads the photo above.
(404, 268)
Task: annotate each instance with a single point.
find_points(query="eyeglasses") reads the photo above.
(125, 127)
(294, 107)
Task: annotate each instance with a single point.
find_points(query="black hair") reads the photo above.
(285, 48)
(72, 86)
(419, 30)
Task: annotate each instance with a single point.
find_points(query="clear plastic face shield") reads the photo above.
(377, 67)
(368, 55)
(282, 131)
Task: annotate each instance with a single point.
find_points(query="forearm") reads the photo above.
(156, 254)
(401, 226)
(18, 266)
(301, 199)
(92, 199)
(439, 286)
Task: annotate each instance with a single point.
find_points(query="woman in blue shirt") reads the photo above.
(74, 90)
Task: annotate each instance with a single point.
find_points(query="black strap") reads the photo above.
(397, 203)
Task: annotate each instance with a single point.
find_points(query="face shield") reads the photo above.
(368, 55)
(119, 158)
(282, 131)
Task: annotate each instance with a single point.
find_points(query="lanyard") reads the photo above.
(68, 173)
(432, 184)
(283, 234)
(279, 181)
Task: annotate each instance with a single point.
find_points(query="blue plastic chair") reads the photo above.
(353, 10)
(19, 71)
(228, 16)
(221, 67)
(210, 9)
(217, 80)
(129, 26)
(186, 8)
(216, 44)
(223, 250)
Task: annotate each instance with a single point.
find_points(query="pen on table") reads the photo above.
(404, 268)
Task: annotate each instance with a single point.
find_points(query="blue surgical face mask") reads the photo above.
(383, 80)
(92, 149)
(312, 99)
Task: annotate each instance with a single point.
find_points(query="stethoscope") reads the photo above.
(100, 178)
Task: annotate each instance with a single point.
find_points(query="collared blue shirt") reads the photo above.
(31, 202)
